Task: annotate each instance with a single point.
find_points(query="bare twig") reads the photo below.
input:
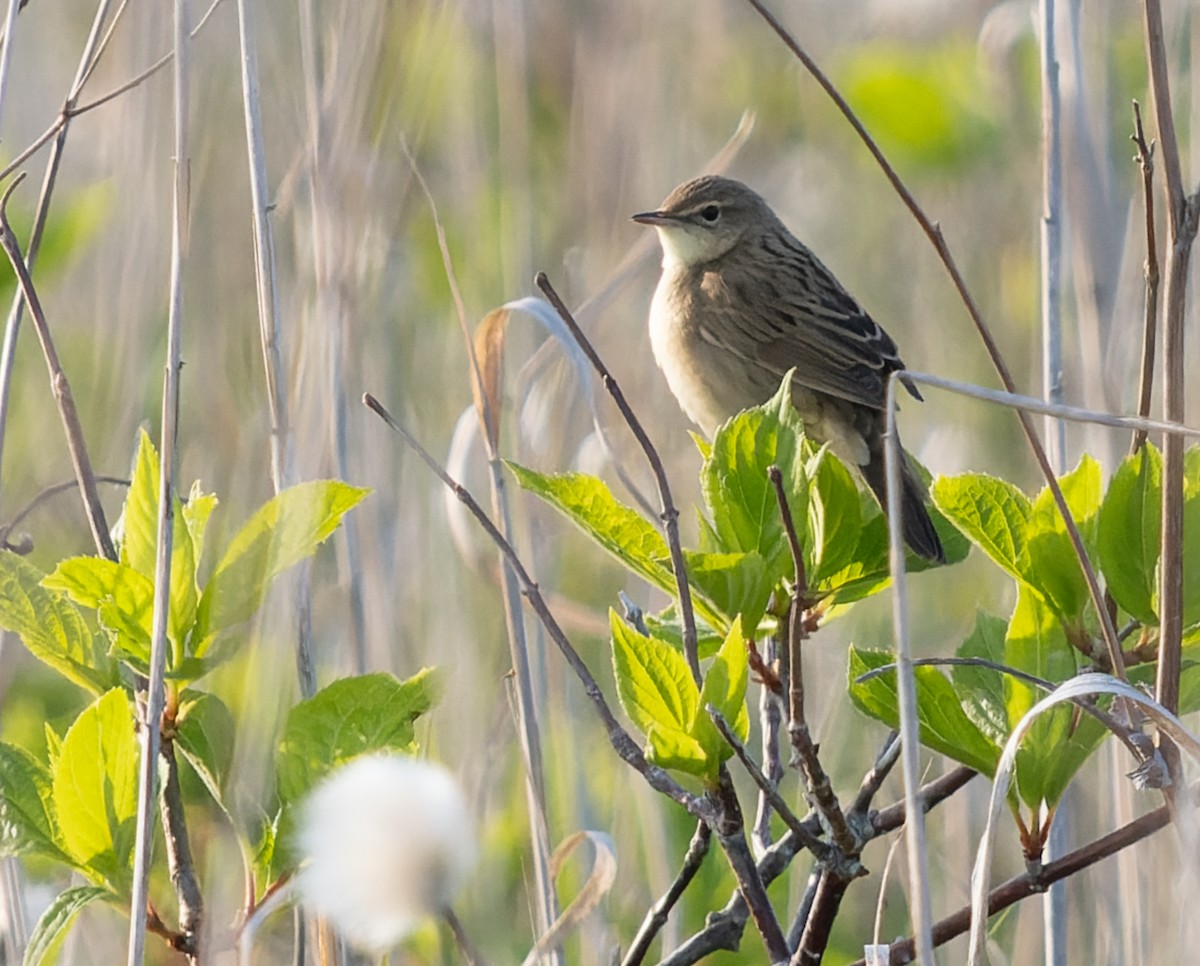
(804, 750)
(470, 954)
(730, 831)
(60, 386)
(618, 737)
(190, 904)
(657, 915)
(1023, 886)
(526, 704)
(670, 515)
(1182, 213)
(820, 849)
(723, 929)
(46, 494)
(1145, 161)
(179, 857)
(934, 233)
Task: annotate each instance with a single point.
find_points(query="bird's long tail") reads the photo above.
(919, 533)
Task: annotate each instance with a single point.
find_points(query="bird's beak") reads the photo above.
(653, 218)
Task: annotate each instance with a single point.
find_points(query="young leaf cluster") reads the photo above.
(742, 562)
(74, 803)
(1053, 631)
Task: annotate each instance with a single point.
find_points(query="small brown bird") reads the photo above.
(740, 302)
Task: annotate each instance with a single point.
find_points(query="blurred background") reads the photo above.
(539, 128)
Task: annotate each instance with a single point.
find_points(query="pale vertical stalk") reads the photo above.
(328, 309)
(10, 26)
(12, 328)
(155, 698)
(1054, 900)
(910, 734)
(264, 255)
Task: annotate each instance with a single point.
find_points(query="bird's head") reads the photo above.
(704, 218)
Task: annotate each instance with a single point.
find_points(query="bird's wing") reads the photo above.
(805, 320)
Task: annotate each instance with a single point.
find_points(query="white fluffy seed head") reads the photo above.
(389, 841)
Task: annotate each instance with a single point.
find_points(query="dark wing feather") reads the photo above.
(809, 323)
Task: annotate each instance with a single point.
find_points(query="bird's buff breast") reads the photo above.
(709, 383)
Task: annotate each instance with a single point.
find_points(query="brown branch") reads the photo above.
(804, 749)
(657, 915)
(179, 858)
(621, 741)
(723, 929)
(730, 831)
(934, 233)
(670, 515)
(46, 494)
(1145, 162)
(60, 386)
(1023, 886)
(820, 850)
(1182, 213)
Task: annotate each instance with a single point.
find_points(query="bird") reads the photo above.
(740, 302)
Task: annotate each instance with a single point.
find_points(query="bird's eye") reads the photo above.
(710, 213)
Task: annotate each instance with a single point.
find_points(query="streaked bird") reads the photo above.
(740, 302)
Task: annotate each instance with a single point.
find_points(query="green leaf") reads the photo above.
(724, 689)
(196, 512)
(1129, 534)
(980, 689)
(139, 521)
(1049, 562)
(95, 789)
(588, 503)
(653, 680)
(350, 717)
(737, 583)
(1191, 536)
(51, 626)
(285, 530)
(739, 495)
(945, 727)
(1035, 642)
(991, 512)
(205, 735)
(835, 518)
(47, 937)
(26, 806)
(666, 626)
(122, 598)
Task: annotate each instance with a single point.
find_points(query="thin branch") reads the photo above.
(46, 494)
(1182, 214)
(190, 905)
(1145, 162)
(730, 831)
(670, 515)
(60, 386)
(820, 849)
(470, 954)
(934, 233)
(1026, 885)
(179, 857)
(618, 737)
(723, 929)
(804, 749)
(657, 915)
(526, 704)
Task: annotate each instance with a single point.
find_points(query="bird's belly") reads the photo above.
(701, 376)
